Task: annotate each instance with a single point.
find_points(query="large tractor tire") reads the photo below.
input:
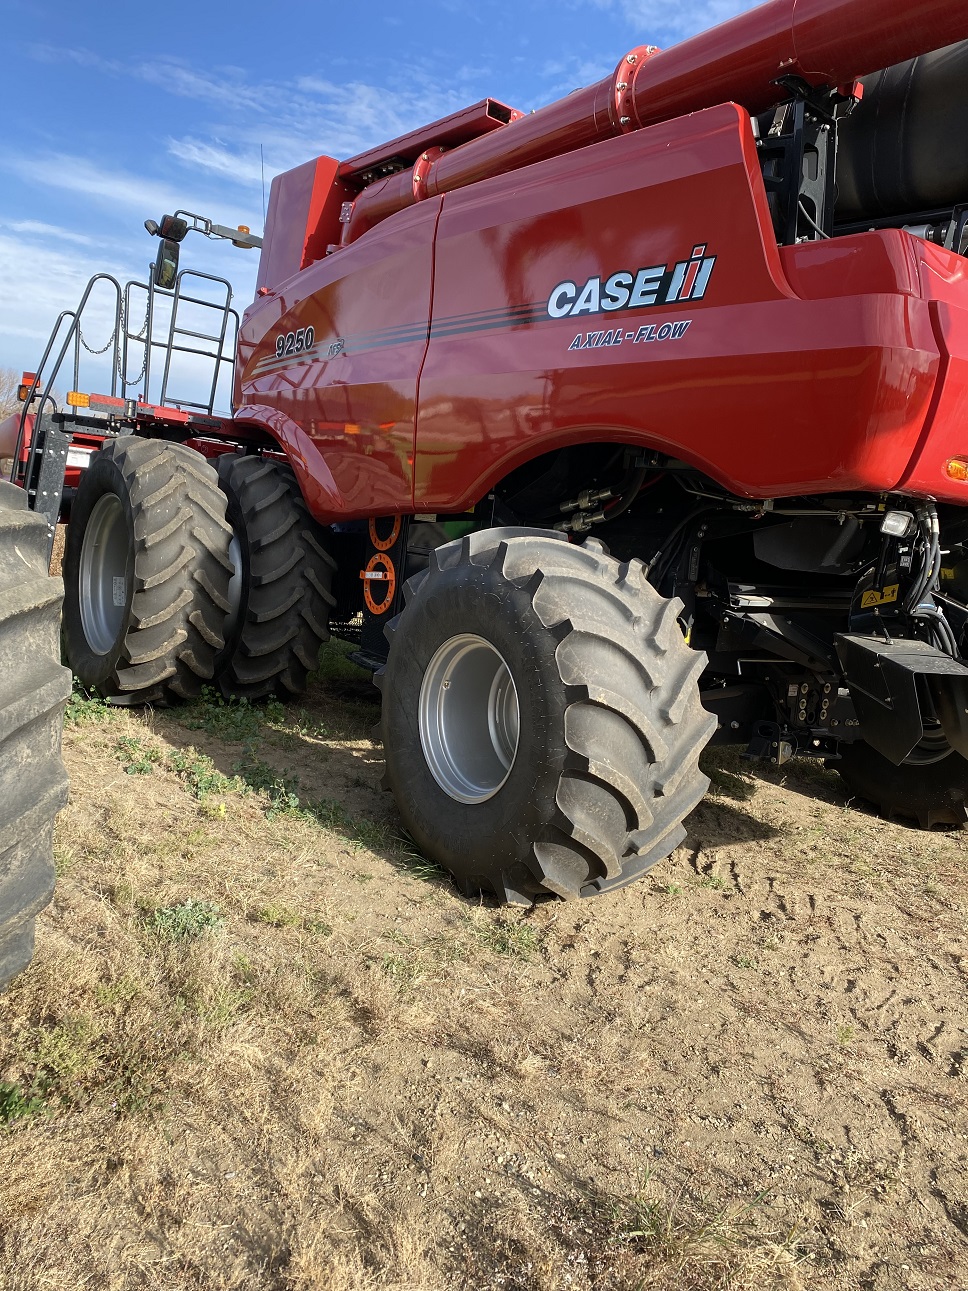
(930, 792)
(541, 716)
(146, 572)
(281, 595)
(33, 688)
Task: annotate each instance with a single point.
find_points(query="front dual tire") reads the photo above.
(147, 570)
(179, 574)
(541, 716)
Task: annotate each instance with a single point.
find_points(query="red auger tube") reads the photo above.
(824, 42)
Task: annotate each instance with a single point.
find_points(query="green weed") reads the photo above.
(714, 881)
(196, 770)
(64, 858)
(402, 970)
(57, 1061)
(359, 830)
(186, 921)
(282, 792)
(137, 757)
(280, 789)
(234, 720)
(743, 961)
(17, 1104)
(121, 991)
(505, 934)
(278, 916)
(199, 774)
(706, 1247)
(84, 707)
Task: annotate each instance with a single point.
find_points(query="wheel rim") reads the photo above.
(103, 575)
(932, 748)
(469, 718)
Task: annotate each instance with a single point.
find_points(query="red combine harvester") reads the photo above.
(605, 431)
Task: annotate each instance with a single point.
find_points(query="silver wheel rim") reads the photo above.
(103, 575)
(235, 587)
(469, 718)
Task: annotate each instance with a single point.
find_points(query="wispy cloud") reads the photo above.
(664, 23)
(43, 280)
(76, 175)
(562, 75)
(113, 189)
(38, 229)
(243, 168)
(292, 119)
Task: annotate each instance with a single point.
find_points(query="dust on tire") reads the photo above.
(33, 689)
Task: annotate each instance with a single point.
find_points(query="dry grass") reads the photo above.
(265, 1045)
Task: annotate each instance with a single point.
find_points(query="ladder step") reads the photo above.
(186, 349)
(199, 336)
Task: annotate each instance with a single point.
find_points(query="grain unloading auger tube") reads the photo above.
(752, 60)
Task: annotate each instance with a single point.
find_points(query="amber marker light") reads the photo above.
(77, 400)
(956, 468)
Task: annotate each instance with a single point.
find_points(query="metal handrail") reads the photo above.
(179, 297)
(121, 341)
(73, 334)
(219, 354)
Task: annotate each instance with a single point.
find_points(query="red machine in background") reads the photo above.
(711, 311)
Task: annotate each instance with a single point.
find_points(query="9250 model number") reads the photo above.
(295, 342)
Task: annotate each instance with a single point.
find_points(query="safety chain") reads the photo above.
(120, 329)
(111, 339)
(141, 335)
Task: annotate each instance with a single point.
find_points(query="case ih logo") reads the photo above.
(661, 284)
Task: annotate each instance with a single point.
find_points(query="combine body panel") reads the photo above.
(655, 401)
(530, 349)
(344, 407)
(943, 280)
(707, 380)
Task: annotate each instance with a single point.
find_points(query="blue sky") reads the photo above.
(113, 113)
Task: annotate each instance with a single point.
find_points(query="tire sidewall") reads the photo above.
(103, 476)
(499, 831)
(235, 515)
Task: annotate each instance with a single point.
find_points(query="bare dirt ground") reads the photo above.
(266, 1045)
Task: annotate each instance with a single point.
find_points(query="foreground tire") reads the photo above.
(541, 716)
(33, 688)
(931, 793)
(281, 596)
(146, 572)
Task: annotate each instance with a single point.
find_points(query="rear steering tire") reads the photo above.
(541, 716)
(281, 596)
(931, 793)
(146, 572)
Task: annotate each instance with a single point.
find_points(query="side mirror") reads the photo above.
(166, 265)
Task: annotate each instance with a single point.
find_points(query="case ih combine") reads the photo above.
(604, 431)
